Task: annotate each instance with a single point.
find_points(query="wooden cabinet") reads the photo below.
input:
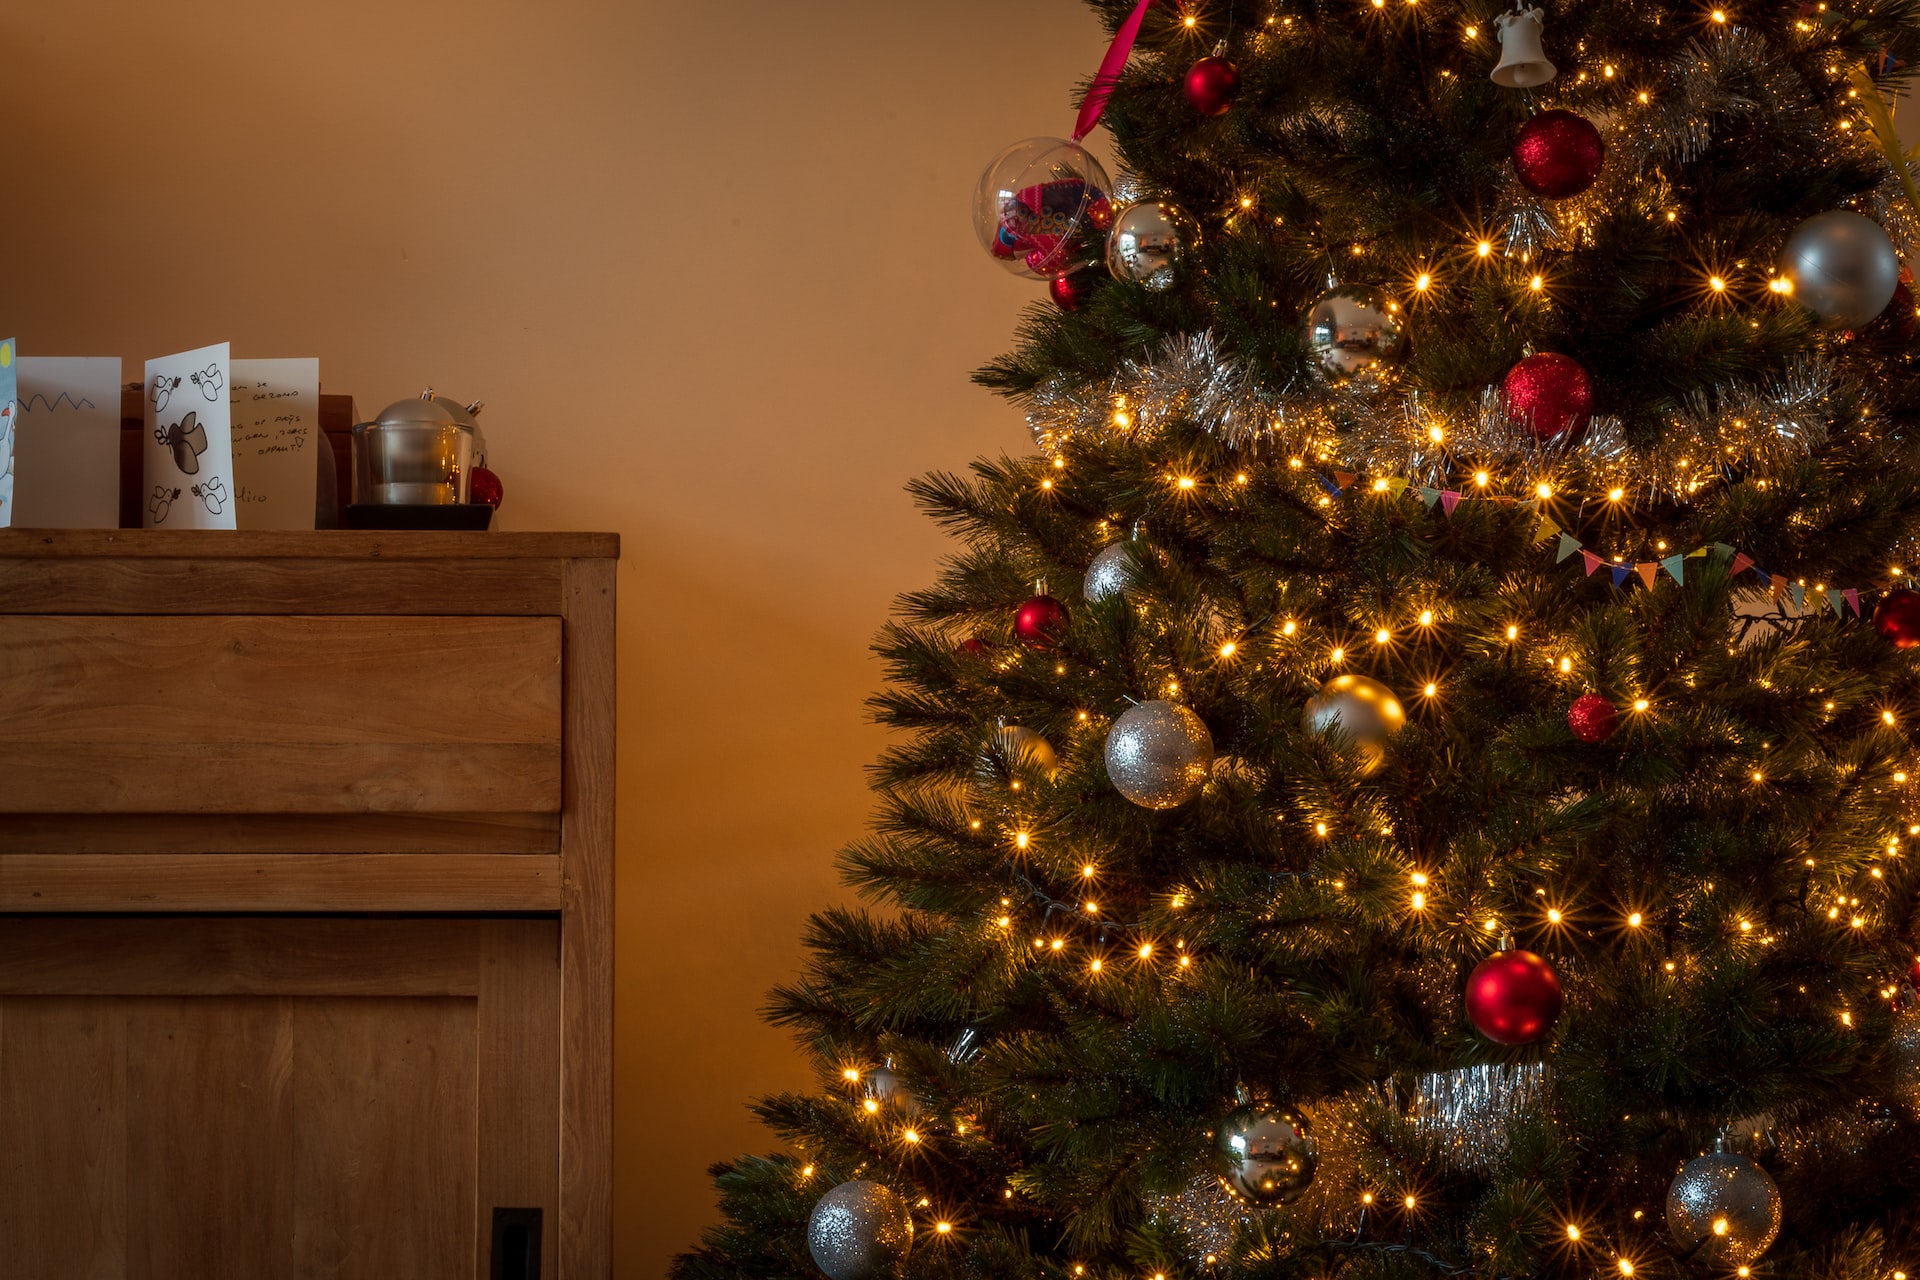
(305, 905)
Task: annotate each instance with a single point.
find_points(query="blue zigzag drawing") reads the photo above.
(40, 399)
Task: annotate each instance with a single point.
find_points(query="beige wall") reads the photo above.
(710, 268)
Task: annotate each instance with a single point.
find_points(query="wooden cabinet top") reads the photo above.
(329, 544)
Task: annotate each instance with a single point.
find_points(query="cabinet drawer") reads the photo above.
(279, 714)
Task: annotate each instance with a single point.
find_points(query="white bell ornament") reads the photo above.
(1523, 64)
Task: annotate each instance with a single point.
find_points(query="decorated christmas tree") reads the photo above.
(1416, 775)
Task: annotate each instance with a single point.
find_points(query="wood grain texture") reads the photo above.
(387, 1116)
(210, 1138)
(280, 715)
(112, 882)
(329, 544)
(245, 777)
(155, 585)
(586, 958)
(531, 833)
(166, 680)
(238, 955)
(63, 1162)
(519, 1071)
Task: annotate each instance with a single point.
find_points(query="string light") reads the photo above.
(1426, 617)
(1573, 1232)
(943, 1227)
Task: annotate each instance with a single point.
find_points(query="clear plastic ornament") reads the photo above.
(1034, 200)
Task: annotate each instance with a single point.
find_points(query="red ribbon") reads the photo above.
(1109, 74)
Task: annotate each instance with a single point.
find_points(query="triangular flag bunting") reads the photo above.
(1833, 598)
(1429, 496)
(1545, 529)
(1593, 561)
(1326, 482)
(1766, 579)
(1743, 562)
(1852, 597)
(1345, 479)
(1799, 594)
(1620, 573)
(1722, 550)
(1396, 487)
(1697, 552)
(1568, 545)
(1648, 570)
(1675, 565)
(1449, 499)
(1776, 589)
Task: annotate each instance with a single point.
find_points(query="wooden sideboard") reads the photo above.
(306, 899)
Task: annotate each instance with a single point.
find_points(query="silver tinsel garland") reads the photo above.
(1383, 432)
(1469, 1112)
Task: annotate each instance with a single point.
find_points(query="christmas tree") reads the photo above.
(1415, 776)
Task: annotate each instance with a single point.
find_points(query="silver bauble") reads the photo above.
(1147, 243)
(1022, 750)
(1727, 1205)
(1363, 708)
(1110, 573)
(860, 1231)
(1159, 755)
(1354, 331)
(1842, 268)
(887, 1089)
(1269, 1155)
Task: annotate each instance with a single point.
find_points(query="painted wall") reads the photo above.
(710, 268)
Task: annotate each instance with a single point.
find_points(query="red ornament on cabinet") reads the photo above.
(1212, 84)
(1513, 997)
(484, 486)
(1897, 618)
(1549, 392)
(1592, 718)
(1040, 623)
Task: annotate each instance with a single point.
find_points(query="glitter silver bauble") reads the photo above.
(1207, 1214)
(860, 1231)
(1022, 750)
(1269, 1155)
(1148, 242)
(1110, 573)
(1842, 268)
(1363, 708)
(1159, 755)
(1727, 1205)
(1354, 331)
(1903, 1054)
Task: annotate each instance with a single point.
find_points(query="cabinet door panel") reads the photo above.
(346, 1134)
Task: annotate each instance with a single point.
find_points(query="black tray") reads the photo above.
(434, 515)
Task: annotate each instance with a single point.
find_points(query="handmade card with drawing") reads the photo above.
(188, 442)
(276, 437)
(67, 443)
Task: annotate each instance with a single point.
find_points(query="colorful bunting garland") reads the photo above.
(1839, 599)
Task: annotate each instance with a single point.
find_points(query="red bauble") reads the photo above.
(484, 486)
(1902, 316)
(974, 646)
(1070, 293)
(1897, 618)
(1592, 718)
(1513, 997)
(1040, 623)
(1549, 392)
(1212, 84)
(1913, 973)
(1558, 154)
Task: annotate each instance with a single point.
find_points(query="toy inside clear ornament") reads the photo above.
(1034, 199)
